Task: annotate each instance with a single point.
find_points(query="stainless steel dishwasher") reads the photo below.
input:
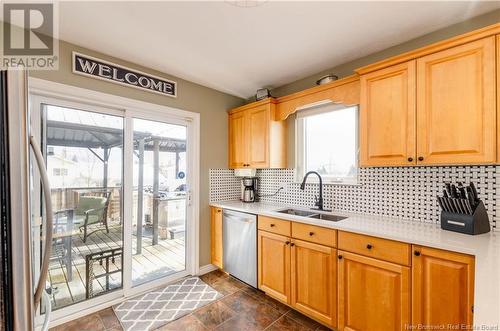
(239, 233)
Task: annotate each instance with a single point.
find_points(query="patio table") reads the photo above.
(67, 237)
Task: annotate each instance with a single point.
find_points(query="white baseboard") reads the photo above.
(205, 269)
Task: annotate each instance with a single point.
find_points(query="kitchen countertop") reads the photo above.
(485, 247)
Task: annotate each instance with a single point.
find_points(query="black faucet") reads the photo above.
(319, 202)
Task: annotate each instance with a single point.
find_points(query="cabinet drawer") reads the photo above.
(383, 249)
(274, 225)
(314, 234)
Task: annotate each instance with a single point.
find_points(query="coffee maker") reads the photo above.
(249, 189)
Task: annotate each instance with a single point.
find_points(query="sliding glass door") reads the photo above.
(83, 152)
(160, 191)
(119, 188)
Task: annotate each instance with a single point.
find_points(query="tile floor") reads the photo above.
(242, 308)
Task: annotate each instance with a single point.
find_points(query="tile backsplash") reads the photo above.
(406, 192)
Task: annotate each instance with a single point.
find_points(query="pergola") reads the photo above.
(92, 137)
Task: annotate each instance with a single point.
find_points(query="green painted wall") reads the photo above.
(211, 105)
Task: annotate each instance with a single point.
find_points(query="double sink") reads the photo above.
(311, 214)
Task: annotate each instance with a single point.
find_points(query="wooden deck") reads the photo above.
(167, 257)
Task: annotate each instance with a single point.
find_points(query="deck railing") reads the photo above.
(67, 198)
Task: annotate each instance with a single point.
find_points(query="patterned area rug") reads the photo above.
(157, 308)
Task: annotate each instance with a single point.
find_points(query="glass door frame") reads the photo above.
(135, 113)
(46, 92)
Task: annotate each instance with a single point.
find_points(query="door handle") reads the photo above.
(48, 311)
(40, 287)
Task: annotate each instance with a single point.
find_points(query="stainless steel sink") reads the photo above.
(310, 214)
(328, 217)
(297, 212)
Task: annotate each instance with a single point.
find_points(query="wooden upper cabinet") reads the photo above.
(456, 115)
(387, 116)
(237, 139)
(314, 281)
(274, 265)
(216, 236)
(373, 295)
(498, 98)
(443, 287)
(259, 120)
(256, 138)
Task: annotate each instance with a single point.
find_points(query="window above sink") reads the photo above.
(327, 142)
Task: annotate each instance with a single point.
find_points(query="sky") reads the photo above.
(331, 141)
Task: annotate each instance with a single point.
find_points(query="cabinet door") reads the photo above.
(216, 236)
(456, 105)
(274, 265)
(238, 149)
(387, 116)
(258, 122)
(314, 281)
(498, 98)
(443, 287)
(373, 295)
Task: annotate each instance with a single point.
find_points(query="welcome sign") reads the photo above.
(91, 67)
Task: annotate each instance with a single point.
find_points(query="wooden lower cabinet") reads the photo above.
(443, 287)
(373, 295)
(314, 281)
(351, 289)
(273, 265)
(216, 236)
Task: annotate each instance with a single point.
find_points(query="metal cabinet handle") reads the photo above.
(287, 243)
(292, 244)
(340, 257)
(369, 246)
(271, 225)
(311, 233)
(416, 253)
(410, 159)
(420, 158)
(40, 287)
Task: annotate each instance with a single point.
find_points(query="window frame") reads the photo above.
(300, 143)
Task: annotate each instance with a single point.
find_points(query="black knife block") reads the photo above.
(476, 223)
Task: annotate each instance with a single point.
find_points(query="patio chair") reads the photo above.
(92, 210)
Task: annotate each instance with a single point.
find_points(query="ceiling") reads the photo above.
(238, 50)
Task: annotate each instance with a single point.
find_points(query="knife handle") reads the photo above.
(470, 197)
(474, 192)
(448, 188)
(461, 189)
